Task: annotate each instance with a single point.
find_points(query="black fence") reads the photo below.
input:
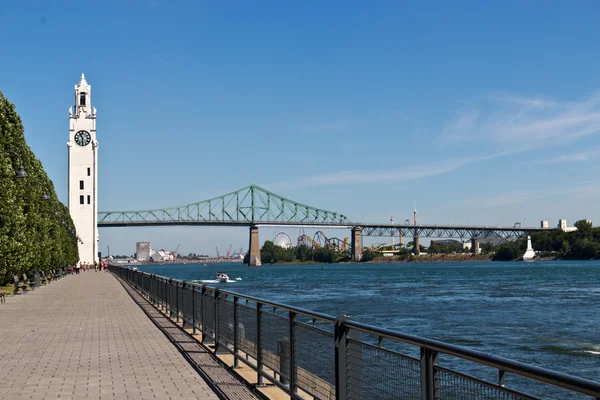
(311, 355)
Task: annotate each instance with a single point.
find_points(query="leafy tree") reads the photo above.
(34, 233)
(506, 252)
(435, 248)
(284, 255)
(325, 255)
(368, 255)
(487, 247)
(267, 253)
(304, 253)
(584, 249)
(584, 227)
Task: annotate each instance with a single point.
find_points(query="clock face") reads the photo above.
(82, 138)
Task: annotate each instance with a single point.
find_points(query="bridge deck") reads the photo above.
(84, 337)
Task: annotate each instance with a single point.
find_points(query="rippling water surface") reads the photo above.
(542, 313)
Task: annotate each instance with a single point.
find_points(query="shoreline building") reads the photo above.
(83, 171)
(142, 251)
(161, 255)
(562, 225)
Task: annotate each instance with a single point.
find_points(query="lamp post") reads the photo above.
(21, 172)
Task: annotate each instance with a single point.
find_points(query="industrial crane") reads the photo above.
(217, 251)
(228, 251)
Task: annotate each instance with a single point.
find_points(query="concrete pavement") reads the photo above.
(84, 337)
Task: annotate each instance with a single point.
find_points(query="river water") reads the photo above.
(540, 313)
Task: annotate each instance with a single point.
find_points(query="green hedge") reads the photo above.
(30, 234)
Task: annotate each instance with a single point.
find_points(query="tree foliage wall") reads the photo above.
(30, 233)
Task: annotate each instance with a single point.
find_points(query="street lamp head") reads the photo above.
(21, 173)
(55, 213)
(45, 197)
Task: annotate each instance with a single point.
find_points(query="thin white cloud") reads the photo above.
(518, 121)
(574, 157)
(354, 177)
(580, 191)
(516, 124)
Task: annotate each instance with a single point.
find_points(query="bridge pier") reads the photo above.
(416, 246)
(254, 247)
(356, 243)
(474, 246)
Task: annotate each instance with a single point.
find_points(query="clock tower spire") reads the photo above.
(83, 171)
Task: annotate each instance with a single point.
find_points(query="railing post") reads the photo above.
(340, 338)
(259, 361)
(429, 375)
(501, 377)
(161, 288)
(202, 305)
(193, 310)
(164, 295)
(183, 321)
(216, 318)
(235, 332)
(170, 299)
(177, 302)
(293, 370)
(154, 291)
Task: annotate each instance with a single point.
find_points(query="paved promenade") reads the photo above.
(84, 337)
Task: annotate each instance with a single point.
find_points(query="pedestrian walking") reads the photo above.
(77, 268)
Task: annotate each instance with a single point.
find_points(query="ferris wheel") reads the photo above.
(282, 239)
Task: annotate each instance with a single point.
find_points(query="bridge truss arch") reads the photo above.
(247, 206)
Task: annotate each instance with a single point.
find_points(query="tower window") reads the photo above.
(80, 185)
(89, 199)
(81, 200)
(82, 99)
(89, 171)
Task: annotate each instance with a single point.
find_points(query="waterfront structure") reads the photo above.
(562, 225)
(161, 255)
(142, 251)
(529, 253)
(83, 171)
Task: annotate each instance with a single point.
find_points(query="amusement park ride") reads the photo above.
(318, 240)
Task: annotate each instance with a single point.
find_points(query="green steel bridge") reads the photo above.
(253, 206)
(248, 206)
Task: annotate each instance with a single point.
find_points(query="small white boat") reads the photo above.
(222, 277)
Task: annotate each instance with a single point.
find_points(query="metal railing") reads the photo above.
(310, 355)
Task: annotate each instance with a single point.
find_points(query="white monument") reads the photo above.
(83, 171)
(529, 253)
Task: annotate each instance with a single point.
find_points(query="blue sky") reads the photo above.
(480, 113)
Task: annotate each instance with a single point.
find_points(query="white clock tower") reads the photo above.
(83, 171)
